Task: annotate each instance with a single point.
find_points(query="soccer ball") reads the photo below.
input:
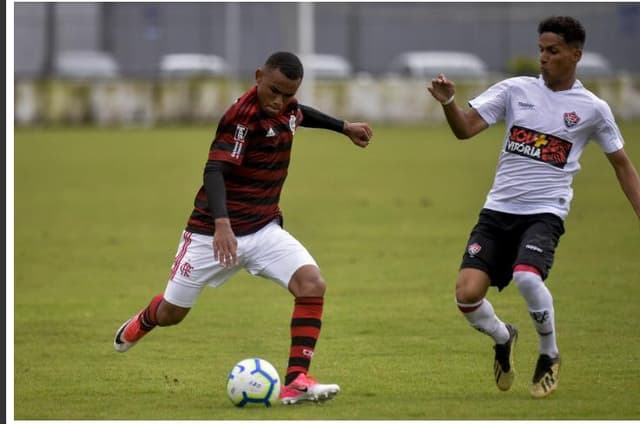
(253, 381)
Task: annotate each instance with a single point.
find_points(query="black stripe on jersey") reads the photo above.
(270, 148)
(252, 200)
(249, 218)
(225, 147)
(243, 182)
(267, 167)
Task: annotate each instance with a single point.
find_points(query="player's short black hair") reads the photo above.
(287, 63)
(565, 26)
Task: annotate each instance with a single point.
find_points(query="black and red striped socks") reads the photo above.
(306, 322)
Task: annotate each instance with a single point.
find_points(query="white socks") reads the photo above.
(483, 318)
(540, 305)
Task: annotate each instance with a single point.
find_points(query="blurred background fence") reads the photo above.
(148, 63)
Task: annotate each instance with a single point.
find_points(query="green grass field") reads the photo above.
(98, 214)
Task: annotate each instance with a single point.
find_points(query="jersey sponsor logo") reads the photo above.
(571, 119)
(241, 133)
(239, 136)
(271, 133)
(545, 148)
(473, 249)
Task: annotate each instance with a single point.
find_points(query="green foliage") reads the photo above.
(98, 214)
(524, 66)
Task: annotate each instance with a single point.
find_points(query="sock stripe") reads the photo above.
(303, 341)
(526, 268)
(467, 308)
(309, 300)
(306, 322)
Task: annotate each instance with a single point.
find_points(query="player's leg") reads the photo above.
(284, 260)
(533, 263)
(486, 262)
(192, 270)
(159, 312)
(308, 288)
(471, 288)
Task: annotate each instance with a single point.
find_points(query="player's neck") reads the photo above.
(561, 85)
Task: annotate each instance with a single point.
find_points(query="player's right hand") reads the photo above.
(442, 88)
(225, 244)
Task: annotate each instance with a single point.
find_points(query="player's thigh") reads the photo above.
(490, 249)
(193, 269)
(539, 242)
(277, 255)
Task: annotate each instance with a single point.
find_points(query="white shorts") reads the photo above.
(270, 253)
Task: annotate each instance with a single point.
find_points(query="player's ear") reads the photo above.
(259, 75)
(577, 54)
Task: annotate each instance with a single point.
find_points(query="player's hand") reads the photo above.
(359, 132)
(225, 244)
(441, 88)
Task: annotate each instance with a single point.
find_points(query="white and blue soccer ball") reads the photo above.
(253, 381)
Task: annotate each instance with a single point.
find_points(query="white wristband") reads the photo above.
(449, 100)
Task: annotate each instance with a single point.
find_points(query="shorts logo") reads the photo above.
(571, 119)
(533, 247)
(474, 249)
(185, 269)
(545, 148)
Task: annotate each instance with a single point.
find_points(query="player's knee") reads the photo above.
(467, 293)
(307, 281)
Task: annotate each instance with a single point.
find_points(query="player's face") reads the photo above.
(275, 90)
(558, 61)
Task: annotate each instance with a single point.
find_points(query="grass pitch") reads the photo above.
(98, 214)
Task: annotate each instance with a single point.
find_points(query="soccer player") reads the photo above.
(236, 222)
(549, 121)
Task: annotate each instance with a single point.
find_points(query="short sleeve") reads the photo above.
(607, 134)
(492, 103)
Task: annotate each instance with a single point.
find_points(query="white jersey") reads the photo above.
(547, 132)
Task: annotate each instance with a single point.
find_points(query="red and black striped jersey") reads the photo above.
(259, 148)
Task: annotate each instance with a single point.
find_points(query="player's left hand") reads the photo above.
(359, 132)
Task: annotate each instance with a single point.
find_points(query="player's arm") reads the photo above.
(627, 177)
(359, 132)
(224, 241)
(464, 123)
